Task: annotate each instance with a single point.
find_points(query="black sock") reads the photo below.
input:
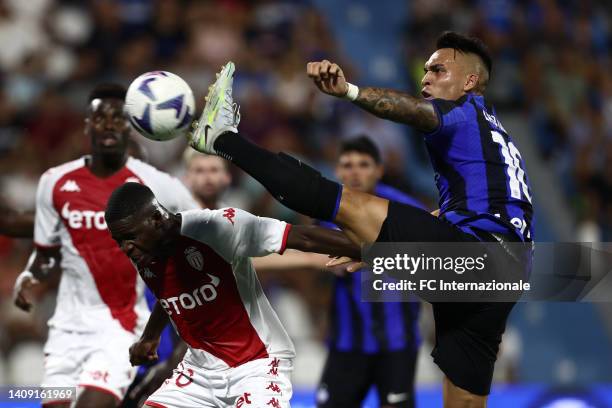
(292, 182)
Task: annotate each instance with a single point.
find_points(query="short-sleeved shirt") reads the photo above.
(98, 285)
(210, 290)
(479, 171)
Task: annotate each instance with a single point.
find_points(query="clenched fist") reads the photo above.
(328, 77)
(144, 352)
(22, 295)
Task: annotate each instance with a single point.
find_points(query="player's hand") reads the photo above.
(341, 265)
(22, 292)
(144, 352)
(328, 77)
(152, 380)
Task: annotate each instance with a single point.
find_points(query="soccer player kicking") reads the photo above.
(484, 191)
(197, 264)
(100, 308)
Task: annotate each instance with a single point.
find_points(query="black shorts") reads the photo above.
(348, 376)
(467, 334)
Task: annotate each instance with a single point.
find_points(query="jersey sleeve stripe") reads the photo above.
(154, 404)
(285, 236)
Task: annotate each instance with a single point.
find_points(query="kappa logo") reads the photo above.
(274, 403)
(147, 273)
(229, 213)
(194, 258)
(274, 387)
(70, 186)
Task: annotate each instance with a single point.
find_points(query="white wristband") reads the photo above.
(20, 279)
(352, 92)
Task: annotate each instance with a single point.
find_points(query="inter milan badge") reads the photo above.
(194, 258)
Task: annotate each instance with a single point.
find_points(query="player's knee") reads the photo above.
(362, 213)
(96, 399)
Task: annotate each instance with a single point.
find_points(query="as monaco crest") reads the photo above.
(194, 258)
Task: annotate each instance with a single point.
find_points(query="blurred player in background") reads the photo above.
(207, 177)
(197, 264)
(370, 343)
(100, 308)
(484, 191)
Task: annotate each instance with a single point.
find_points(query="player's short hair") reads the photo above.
(361, 144)
(466, 45)
(107, 90)
(127, 199)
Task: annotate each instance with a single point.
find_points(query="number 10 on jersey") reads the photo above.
(516, 174)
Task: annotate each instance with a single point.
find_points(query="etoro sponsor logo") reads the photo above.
(190, 300)
(85, 219)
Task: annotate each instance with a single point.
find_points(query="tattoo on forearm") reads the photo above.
(398, 107)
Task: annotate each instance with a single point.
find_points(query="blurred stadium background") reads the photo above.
(551, 85)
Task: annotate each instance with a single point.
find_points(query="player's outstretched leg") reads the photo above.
(292, 182)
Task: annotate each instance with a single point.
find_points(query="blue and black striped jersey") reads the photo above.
(372, 327)
(479, 171)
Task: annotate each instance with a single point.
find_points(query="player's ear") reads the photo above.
(471, 82)
(380, 170)
(87, 127)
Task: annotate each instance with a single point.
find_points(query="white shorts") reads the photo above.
(97, 360)
(262, 383)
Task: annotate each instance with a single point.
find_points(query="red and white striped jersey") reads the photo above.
(210, 290)
(99, 284)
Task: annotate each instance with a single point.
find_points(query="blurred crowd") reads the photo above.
(551, 63)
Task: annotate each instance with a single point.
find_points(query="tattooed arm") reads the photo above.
(384, 103)
(398, 107)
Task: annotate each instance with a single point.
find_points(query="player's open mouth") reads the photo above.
(425, 94)
(110, 140)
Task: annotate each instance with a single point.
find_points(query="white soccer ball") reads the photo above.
(160, 105)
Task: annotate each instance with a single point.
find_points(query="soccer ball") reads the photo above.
(160, 105)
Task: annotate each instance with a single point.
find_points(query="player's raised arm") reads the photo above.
(311, 238)
(384, 103)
